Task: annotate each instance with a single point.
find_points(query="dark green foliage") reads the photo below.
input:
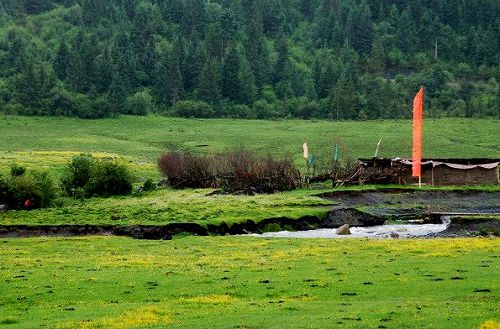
(87, 176)
(62, 61)
(140, 103)
(109, 178)
(149, 185)
(169, 85)
(36, 186)
(193, 109)
(209, 85)
(77, 173)
(94, 58)
(16, 170)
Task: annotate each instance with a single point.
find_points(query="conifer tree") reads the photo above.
(168, 83)
(62, 60)
(209, 88)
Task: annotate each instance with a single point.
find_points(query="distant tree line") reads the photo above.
(337, 59)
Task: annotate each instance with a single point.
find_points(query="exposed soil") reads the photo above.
(360, 209)
(467, 226)
(159, 232)
(396, 199)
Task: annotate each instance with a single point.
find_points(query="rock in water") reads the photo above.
(343, 230)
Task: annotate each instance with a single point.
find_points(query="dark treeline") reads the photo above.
(338, 59)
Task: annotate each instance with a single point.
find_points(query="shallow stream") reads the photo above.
(377, 232)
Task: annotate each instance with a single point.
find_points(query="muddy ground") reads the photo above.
(470, 213)
(354, 208)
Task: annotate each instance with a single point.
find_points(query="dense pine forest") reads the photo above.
(336, 59)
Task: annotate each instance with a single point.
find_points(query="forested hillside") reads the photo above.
(338, 59)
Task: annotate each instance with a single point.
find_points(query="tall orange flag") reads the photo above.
(418, 114)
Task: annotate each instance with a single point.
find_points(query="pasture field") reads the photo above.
(240, 282)
(164, 206)
(51, 142)
(235, 282)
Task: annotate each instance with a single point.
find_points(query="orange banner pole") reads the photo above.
(418, 113)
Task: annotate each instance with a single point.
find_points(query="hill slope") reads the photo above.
(337, 59)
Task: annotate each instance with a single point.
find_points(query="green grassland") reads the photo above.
(174, 206)
(50, 142)
(234, 282)
(239, 282)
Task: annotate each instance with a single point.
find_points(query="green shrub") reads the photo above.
(109, 178)
(77, 173)
(193, 109)
(140, 103)
(149, 185)
(86, 176)
(36, 186)
(16, 170)
(4, 189)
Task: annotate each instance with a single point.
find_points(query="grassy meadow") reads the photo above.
(235, 282)
(50, 142)
(240, 282)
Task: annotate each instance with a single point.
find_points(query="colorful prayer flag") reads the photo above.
(311, 161)
(336, 153)
(306, 151)
(418, 110)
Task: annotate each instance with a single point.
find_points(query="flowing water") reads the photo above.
(377, 232)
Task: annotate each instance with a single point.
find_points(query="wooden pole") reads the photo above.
(307, 175)
(436, 49)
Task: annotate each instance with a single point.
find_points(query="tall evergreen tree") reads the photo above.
(169, 85)
(255, 46)
(209, 86)
(62, 60)
(282, 50)
(238, 82)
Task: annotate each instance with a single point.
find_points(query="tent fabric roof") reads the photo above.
(492, 165)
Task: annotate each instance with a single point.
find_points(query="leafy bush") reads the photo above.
(4, 189)
(193, 109)
(87, 176)
(16, 170)
(149, 185)
(36, 186)
(140, 103)
(109, 178)
(77, 173)
(240, 111)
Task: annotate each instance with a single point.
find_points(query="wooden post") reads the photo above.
(307, 174)
(334, 173)
(436, 49)
(432, 174)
